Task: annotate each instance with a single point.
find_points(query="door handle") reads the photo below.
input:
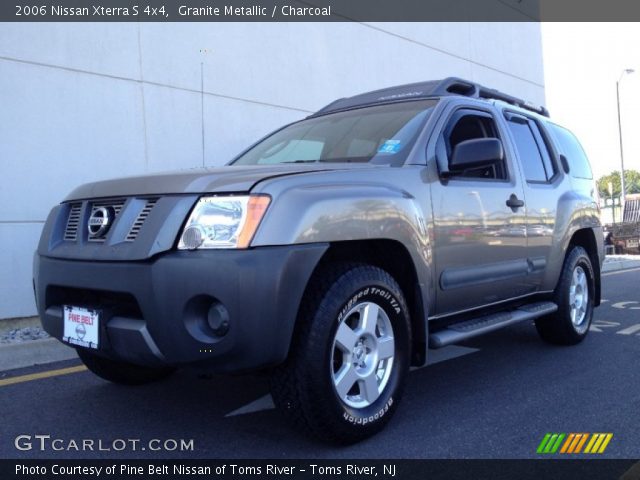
(514, 202)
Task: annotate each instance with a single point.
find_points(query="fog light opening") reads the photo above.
(206, 319)
(218, 319)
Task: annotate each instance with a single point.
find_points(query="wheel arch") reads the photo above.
(585, 238)
(393, 257)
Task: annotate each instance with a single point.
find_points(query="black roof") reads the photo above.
(434, 88)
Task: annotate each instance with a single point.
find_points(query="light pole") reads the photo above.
(622, 185)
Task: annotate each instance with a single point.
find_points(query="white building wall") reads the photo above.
(83, 102)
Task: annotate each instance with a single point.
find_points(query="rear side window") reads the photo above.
(572, 150)
(532, 151)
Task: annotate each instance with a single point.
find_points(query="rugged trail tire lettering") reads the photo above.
(303, 388)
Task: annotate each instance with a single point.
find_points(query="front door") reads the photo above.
(480, 236)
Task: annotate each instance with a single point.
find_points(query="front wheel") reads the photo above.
(123, 373)
(574, 296)
(350, 355)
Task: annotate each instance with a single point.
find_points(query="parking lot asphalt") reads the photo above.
(493, 397)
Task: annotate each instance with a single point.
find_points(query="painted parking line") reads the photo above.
(40, 375)
(630, 330)
(624, 304)
(435, 356)
(608, 326)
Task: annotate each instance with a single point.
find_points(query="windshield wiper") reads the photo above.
(301, 161)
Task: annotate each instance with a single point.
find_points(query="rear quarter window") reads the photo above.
(570, 147)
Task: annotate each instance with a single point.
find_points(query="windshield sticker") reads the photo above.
(390, 146)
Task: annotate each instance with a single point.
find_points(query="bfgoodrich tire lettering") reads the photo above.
(305, 388)
(574, 296)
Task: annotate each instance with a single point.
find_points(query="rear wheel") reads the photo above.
(350, 355)
(123, 373)
(574, 296)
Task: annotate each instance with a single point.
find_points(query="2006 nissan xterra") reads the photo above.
(334, 253)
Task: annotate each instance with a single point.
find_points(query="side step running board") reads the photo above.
(477, 326)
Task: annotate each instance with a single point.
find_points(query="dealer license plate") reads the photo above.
(81, 326)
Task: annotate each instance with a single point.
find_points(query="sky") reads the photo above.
(582, 62)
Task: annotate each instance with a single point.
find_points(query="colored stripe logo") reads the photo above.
(574, 443)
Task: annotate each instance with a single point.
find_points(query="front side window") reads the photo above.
(380, 134)
(470, 126)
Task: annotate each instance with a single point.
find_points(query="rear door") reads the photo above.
(480, 244)
(542, 179)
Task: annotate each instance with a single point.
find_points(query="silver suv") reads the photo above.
(334, 253)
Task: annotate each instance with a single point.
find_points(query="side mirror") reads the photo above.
(478, 152)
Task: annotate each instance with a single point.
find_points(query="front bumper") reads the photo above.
(155, 312)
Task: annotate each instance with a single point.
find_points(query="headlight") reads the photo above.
(223, 222)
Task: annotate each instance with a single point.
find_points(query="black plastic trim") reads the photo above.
(464, 276)
(165, 319)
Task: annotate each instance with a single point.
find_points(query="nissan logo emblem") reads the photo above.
(100, 221)
(81, 331)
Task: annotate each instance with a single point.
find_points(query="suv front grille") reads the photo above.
(115, 205)
(127, 216)
(142, 217)
(73, 221)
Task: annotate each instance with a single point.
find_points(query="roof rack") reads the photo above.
(459, 86)
(434, 88)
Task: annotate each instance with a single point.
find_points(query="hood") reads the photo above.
(228, 179)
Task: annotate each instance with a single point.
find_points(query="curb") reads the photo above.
(35, 352)
(20, 322)
(615, 265)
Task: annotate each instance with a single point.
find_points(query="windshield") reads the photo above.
(382, 134)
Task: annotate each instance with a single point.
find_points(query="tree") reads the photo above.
(631, 178)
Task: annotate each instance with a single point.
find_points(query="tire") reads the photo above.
(122, 373)
(570, 324)
(345, 374)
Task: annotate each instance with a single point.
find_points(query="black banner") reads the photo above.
(317, 10)
(320, 469)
